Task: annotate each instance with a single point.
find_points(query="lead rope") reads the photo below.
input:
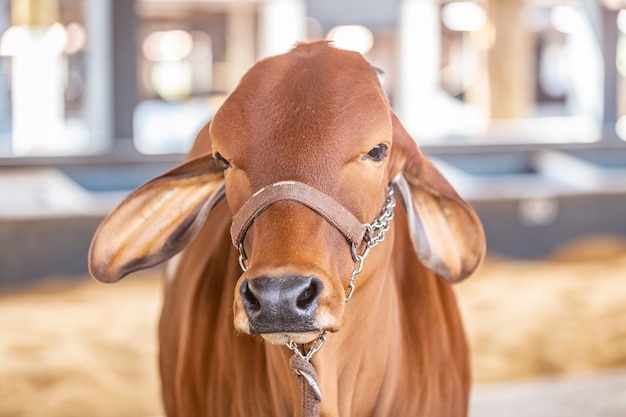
(300, 363)
(307, 379)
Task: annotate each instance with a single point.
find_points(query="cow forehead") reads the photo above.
(313, 101)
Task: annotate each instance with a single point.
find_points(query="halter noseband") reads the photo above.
(326, 206)
(330, 209)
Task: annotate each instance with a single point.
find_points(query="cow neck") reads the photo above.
(366, 235)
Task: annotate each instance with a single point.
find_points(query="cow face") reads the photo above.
(315, 116)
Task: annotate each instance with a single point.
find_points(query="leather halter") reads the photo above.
(326, 206)
(343, 220)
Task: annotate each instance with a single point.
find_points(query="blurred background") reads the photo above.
(520, 103)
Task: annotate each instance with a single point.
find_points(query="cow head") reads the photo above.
(315, 116)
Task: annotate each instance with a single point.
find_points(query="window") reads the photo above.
(509, 72)
(457, 72)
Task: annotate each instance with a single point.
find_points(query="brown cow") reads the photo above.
(304, 153)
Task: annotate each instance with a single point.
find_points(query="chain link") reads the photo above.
(312, 350)
(374, 234)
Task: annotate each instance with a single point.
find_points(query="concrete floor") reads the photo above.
(601, 394)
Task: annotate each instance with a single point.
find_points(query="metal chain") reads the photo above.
(293, 346)
(374, 234)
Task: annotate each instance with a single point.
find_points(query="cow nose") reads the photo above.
(281, 305)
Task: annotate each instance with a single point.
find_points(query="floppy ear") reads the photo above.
(157, 220)
(447, 235)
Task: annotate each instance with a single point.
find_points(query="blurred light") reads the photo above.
(18, 39)
(620, 127)
(171, 45)
(553, 70)
(621, 20)
(566, 19)
(463, 16)
(37, 70)
(620, 60)
(538, 211)
(55, 38)
(76, 38)
(172, 79)
(352, 37)
(281, 25)
(14, 39)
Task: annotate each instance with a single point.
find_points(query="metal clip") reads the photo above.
(242, 258)
(309, 379)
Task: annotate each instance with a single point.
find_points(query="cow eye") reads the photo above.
(377, 153)
(221, 161)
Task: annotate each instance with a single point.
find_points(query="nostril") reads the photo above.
(285, 304)
(309, 294)
(252, 304)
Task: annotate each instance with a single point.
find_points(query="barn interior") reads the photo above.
(520, 103)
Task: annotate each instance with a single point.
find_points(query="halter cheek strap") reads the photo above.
(326, 206)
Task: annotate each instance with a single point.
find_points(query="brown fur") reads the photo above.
(398, 347)
(401, 351)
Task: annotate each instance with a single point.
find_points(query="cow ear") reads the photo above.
(446, 233)
(157, 220)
